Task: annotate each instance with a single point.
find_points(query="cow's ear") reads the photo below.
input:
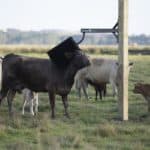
(68, 55)
(131, 64)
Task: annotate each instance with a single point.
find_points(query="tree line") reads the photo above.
(52, 37)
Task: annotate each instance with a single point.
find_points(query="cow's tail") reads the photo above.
(1, 60)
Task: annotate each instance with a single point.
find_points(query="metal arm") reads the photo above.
(83, 36)
(113, 30)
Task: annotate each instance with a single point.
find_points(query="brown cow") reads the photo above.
(143, 89)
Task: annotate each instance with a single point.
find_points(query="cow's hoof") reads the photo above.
(11, 115)
(52, 117)
(35, 114)
(67, 116)
(32, 114)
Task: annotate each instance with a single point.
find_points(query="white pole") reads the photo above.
(123, 59)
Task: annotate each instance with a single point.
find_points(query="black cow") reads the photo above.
(40, 75)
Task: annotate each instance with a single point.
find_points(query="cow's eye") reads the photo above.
(79, 54)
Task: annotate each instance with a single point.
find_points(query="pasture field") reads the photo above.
(94, 125)
(90, 49)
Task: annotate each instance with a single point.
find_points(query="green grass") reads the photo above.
(90, 49)
(94, 125)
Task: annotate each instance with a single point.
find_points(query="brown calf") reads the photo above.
(99, 89)
(143, 89)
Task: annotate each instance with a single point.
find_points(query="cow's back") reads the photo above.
(143, 89)
(37, 74)
(20, 72)
(102, 70)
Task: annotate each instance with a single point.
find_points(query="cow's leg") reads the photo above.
(3, 94)
(105, 90)
(84, 88)
(65, 103)
(23, 106)
(31, 106)
(79, 92)
(96, 93)
(52, 104)
(100, 93)
(10, 97)
(114, 88)
(36, 103)
(85, 93)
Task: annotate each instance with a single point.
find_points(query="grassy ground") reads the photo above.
(94, 125)
(90, 49)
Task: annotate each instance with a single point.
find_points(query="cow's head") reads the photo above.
(118, 76)
(79, 59)
(63, 53)
(130, 65)
(138, 88)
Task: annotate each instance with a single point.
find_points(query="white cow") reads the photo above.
(100, 71)
(31, 98)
